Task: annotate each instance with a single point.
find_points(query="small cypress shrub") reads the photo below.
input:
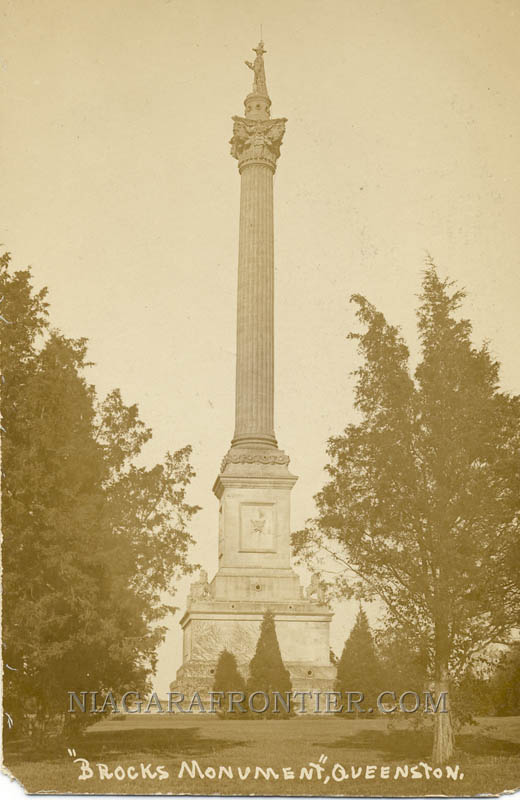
(267, 673)
(228, 679)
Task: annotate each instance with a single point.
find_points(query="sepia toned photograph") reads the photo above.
(260, 398)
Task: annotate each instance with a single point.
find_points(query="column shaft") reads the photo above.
(254, 406)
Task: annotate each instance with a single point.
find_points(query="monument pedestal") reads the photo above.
(254, 575)
(303, 634)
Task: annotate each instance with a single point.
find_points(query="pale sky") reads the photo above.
(118, 188)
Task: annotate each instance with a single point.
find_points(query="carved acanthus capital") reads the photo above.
(257, 140)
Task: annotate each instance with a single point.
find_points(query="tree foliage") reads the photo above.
(421, 508)
(505, 683)
(267, 672)
(359, 668)
(227, 679)
(91, 542)
(404, 659)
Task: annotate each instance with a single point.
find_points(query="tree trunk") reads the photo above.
(443, 742)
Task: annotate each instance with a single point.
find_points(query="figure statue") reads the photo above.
(259, 84)
(199, 589)
(315, 589)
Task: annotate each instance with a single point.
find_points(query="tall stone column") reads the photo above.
(254, 483)
(256, 145)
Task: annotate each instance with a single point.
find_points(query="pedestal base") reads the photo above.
(211, 626)
(254, 576)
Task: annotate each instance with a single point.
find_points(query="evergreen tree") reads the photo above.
(423, 495)
(359, 669)
(228, 679)
(267, 672)
(81, 584)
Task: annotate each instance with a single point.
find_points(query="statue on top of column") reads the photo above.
(259, 84)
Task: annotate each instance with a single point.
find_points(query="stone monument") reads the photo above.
(254, 484)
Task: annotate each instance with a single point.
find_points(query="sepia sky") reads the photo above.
(118, 188)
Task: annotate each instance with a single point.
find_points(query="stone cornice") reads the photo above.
(257, 141)
(222, 610)
(253, 467)
(252, 482)
(251, 456)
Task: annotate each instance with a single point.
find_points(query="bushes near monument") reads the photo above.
(359, 668)
(265, 691)
(267, 673)
(228, 679)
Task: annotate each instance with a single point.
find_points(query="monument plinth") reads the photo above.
(254, 484)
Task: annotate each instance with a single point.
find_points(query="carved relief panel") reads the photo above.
(210, 638)
(257, 528)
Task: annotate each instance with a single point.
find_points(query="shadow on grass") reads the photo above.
(168, 743)
(413, 745)
(396, 744)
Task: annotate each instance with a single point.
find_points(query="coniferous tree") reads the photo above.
(83, 583)
(228, 679)
(359, 669)
(267, 672)
(423, 498)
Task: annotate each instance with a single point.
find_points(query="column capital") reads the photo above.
(257, 141)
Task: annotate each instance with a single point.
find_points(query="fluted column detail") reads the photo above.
(254, 402)
(256, 145)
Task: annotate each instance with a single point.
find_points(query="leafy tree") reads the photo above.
(267, 672)
(505, 683)
(359, 669)
(146, 507)
(404, 659)
(421, 509)
(77, 614)
(227, 679)
(405, 663)
(472, 696)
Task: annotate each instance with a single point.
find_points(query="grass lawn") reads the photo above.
(488, 756)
